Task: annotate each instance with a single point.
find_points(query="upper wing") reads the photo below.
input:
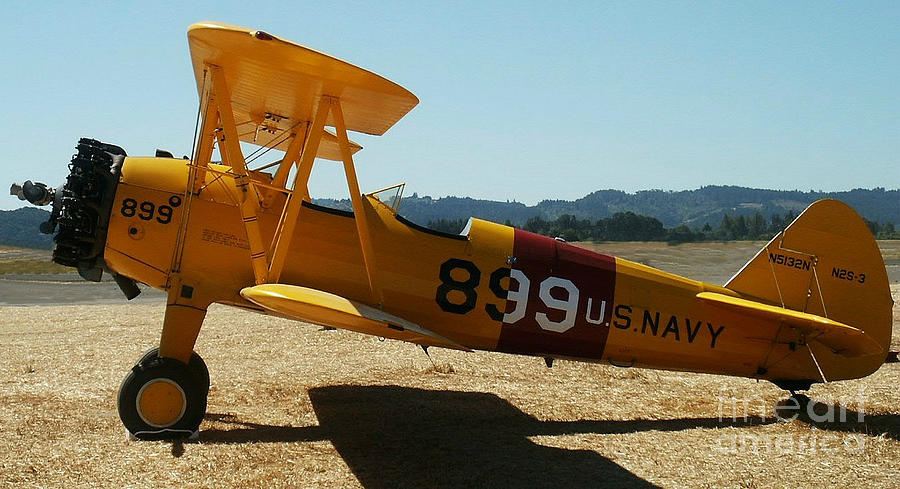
(321, 307)
(275, 84)
(841, 338)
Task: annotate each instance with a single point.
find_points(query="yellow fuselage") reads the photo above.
(495, 288)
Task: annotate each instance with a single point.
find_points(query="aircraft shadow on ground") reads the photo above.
(829, 417)
(404, 437)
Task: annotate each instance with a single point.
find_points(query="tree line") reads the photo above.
(628, 226)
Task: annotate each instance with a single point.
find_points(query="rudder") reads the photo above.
(825, 263)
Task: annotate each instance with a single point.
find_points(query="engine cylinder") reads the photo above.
(82, 206)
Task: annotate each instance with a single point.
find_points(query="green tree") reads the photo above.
(757, 226)
(740, 228)
(682, 234)
(726, 228)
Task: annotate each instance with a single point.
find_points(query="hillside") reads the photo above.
(691, 207)
(20, 228)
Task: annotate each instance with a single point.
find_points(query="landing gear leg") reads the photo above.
(164, 395)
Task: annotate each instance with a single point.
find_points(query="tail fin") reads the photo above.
(825, 263)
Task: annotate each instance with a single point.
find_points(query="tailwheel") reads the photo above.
(161, 399)
(801, 399)
(792, 407)
(196, 365)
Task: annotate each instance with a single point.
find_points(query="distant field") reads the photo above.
(32, 266)
(712, 262)
(293, 406)
(21, 260)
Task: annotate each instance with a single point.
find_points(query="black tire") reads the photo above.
(161, 374)
(196, 365)
(793, 407)
(802, 399)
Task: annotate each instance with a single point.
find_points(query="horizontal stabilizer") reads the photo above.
(839, 337)
(320, 307)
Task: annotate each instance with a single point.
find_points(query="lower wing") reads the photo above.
(320, 307)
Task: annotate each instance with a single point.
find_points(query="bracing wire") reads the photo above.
(285, 134)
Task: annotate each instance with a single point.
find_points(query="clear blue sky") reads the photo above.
(519, 100)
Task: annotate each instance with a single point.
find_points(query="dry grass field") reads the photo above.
(294, 406)
(18, 260)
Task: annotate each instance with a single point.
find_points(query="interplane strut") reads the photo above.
(218, 127)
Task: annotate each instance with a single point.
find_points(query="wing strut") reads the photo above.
(219, 127)
(230, 148)
(290, 157)
(206, 141)
(362, 223)
(285, 230)
(200, 157)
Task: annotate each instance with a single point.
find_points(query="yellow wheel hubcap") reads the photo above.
(161, 403)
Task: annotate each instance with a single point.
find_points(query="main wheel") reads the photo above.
(196, 365)
(161, 399)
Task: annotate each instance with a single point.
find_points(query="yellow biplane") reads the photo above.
(812, 306)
